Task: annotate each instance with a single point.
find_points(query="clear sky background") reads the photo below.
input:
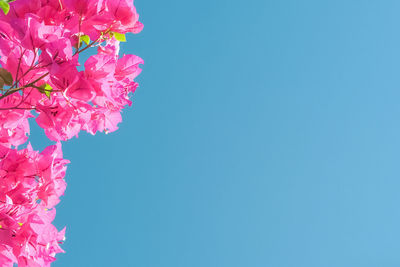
(265, 133)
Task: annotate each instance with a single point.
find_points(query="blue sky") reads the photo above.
(263, 134)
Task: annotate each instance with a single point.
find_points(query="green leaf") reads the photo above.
(85, 38)
(4, 6)
(6, 76)
(47, 93)
(46, 89)
(119, 36)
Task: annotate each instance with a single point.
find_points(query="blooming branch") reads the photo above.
(41, 77)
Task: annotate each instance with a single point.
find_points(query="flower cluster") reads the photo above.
(42, 77)
(30, 187)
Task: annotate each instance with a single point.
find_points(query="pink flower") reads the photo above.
(27, 236)
(14, 125)
(128, 67)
